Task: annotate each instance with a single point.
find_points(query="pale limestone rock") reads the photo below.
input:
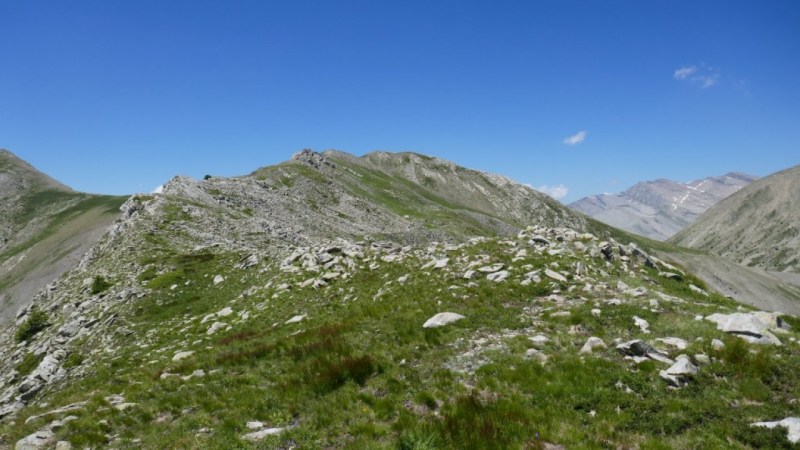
(792, 425)
(442, 319)
(591, 344)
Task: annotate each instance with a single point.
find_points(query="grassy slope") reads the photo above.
(757, 226)
(59, 224)
(361, 372)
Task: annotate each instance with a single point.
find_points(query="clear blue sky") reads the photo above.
(119, 96)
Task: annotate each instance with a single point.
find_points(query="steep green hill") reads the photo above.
(45, 228)
(758, 226)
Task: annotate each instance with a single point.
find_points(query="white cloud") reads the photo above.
(703, 75)
(158, 190)
(684, 72)
(576, 138)
(707, 81)
(556, 191)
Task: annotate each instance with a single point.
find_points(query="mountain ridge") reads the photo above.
(756, 227)
(659, 208)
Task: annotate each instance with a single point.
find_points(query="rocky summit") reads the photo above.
(660, 208)
(387, 301)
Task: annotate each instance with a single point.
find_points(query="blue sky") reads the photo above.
(119, 96)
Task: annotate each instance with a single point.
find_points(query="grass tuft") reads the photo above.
(37, 321)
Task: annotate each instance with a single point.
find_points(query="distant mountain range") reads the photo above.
(658, 209)
(758, 226)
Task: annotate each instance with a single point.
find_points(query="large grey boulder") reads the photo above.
(752, 327)
(38, 440)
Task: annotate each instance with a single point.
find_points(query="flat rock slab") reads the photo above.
(753, 327)
(498, 276)
(39, 440)
(555, 275)
(182, 355)
(491, 269)
(442, 319)
(296, 319)
(261, 434)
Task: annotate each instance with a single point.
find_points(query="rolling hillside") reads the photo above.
(45, 228)
(759, 226)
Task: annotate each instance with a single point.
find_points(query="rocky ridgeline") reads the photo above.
(320, 266)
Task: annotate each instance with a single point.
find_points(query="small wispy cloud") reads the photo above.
(558, 191)
(576, 138)
(684, 72)
(701, 75)
(158, 189)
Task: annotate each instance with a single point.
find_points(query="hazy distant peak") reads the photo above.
(660, 208)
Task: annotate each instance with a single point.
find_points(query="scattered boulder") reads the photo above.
(492, 268)
(261, 434)
(39, 440)
(182, 355)
(678, 343)
(642, 324)
(697, 290)
(555, 275)
(792, 425)
(247, 262)
(442, 319)
(539, 340)
(533, 353)
(296, 319)
(44, 438)
(441, 263)
(216, 326)
(702, 359)
(225, 312)
(640, 351)
(498, 276)
(591, 344)
(678, 374)
(752, 327)
(218, 279)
